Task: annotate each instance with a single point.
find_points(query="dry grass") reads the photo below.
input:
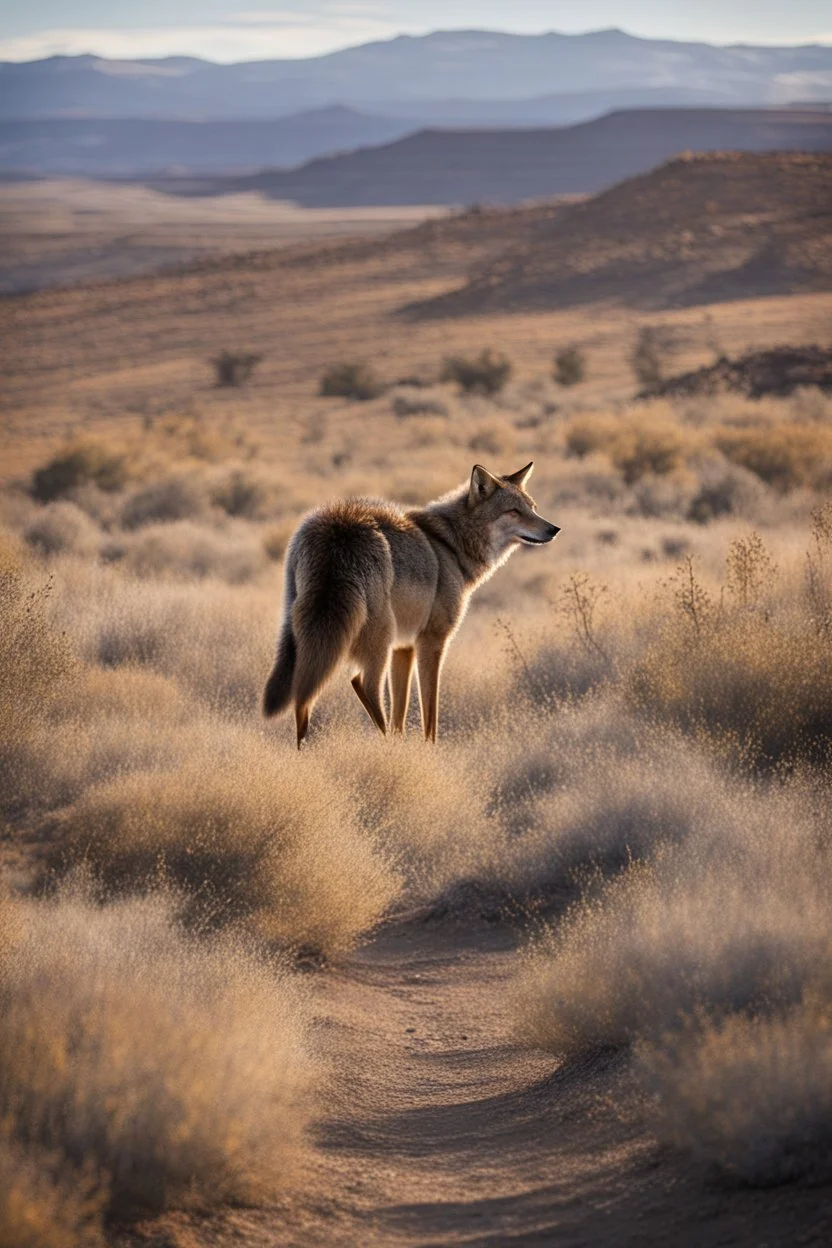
(41, 1207)
(749, 1096)
(247, 835)
(168, 1073)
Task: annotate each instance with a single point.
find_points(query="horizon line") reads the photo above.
(823, 40)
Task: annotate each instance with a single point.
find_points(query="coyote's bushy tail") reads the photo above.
(324, 610)
(277, 695)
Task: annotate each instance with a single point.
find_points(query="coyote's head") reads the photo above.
(501, 508)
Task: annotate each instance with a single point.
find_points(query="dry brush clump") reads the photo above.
(751, 1096)
(486, 373)
(35, 662)
(252, 836)
(750, 664)
(42, 1205)
(569, 366)
(142, 1071)
(713, 960)
(352, 379)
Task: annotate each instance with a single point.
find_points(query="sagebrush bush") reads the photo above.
(637, 445)
(241, 494)
(233, 368)
(63, 528)
(751, 1096)
(709, 925)
(485, 373)
(754, 672)
(36, 661)
(179, 497)
(251, 838)
(569, 367)
(44, 1204)
(650, 355)
(79, 463)
(181, 549)
(415, 401)
(784, 455)
(169, 1073)
(352, 379)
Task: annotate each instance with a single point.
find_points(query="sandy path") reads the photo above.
(442, 1131)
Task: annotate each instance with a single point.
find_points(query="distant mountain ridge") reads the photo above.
(508, 167)
(136, 147)
(487, 67)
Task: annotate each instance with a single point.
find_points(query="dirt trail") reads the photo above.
(442, 1130)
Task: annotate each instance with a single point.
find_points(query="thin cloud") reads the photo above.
(292, 37)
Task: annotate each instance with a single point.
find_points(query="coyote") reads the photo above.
(382, 588)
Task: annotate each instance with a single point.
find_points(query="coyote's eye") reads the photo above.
(514, 512)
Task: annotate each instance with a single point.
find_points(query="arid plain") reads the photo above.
(565, 977)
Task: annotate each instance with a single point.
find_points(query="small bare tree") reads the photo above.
(233, 368)
(649, 356)
(570, 366)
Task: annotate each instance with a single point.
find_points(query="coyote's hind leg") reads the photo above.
(401, 673)
(302, 710)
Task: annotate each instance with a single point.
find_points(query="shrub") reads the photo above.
(642, 447)
(245, 839)
(758, 679)
(173, 1072)
(495, 438)
(351, 380)
(637, 445)
(752, 1096)
(171, 498)
(183, 550)
(486, 373)
(587, 434)
(233, 368)
(241, 494)
(649, 356)
(35, 661)
(84, 462)
(570, 366)
(784, 455)
(413, 402)
(725, 489)
(62, 528)
(708, 926)
(42, 1208)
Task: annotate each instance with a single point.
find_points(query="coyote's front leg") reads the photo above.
(429, 655)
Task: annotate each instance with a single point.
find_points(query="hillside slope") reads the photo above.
(697, 230)
(509, 166)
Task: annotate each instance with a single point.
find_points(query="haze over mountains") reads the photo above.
(507, 167)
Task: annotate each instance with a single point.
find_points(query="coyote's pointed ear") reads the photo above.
(483, 485)
(521, 476)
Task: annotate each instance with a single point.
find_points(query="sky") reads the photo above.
(232, 30)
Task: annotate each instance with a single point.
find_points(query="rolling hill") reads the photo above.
(700, 229)
(135, 146)
(509, 166)
(472, 65)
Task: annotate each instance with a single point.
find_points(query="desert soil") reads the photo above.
(440, 1128)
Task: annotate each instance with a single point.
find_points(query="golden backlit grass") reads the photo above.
(152, 1071)
(249, 836)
